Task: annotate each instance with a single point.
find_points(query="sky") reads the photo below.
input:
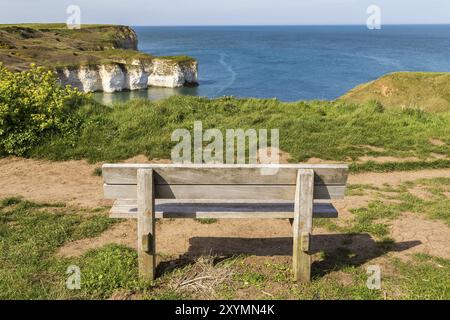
(227, 12)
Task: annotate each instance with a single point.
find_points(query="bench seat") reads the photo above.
(164, 208)
(297, 192)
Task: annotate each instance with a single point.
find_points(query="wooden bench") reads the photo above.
(151, 191)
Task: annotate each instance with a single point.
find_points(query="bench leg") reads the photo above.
(146, 224)
(302, 225)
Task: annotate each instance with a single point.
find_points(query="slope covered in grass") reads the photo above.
(429, 91)
(326, 130)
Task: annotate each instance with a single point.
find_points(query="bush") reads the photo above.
(33, 104)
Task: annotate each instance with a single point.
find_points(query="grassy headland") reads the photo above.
(429, 91)
(54, 45)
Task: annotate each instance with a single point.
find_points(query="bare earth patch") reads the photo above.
(123, 233)
(267, 153)
(143, 159)
(421, 193)
(318, 161)
(372, 148)
(385, 159)
(70, 181)
(434, 235)
(437, 142)
(396, 178)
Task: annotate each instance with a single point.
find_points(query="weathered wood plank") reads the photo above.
(127, 209)
(198, 175)
(237, 192)
(146, 224)
(302, 225)
(155, 166)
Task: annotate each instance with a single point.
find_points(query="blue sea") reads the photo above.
(293, 62)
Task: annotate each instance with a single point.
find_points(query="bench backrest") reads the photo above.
(224, 182)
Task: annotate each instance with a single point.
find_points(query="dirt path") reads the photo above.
(75, 183)
(396, 178)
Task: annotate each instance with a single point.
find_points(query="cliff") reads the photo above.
(93, 58)
(136, 75)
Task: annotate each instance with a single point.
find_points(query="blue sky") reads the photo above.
(227, 12)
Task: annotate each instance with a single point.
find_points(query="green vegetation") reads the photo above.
(371, 166)
(40, 119)
(32, 233)
(33, 105)
(426, 277)
(177, 59)
(108, 269)
(428, 91)
(56, 46)
(326, 130)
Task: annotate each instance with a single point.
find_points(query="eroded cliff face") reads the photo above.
(137, 75)
(92, 58)
(125, 38)
(172, 75)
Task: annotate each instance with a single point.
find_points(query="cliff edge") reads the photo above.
(93, 58)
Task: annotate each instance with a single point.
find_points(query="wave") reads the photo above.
(229, 68)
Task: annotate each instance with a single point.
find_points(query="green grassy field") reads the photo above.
(317, 129)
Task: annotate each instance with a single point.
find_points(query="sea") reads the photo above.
(291, 63)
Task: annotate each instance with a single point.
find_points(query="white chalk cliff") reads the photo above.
(159, 72)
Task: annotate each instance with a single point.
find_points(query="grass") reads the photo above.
(97, 172)
(375, 218)
(426, 277)
(31, 234)
(371, 166)
(425, 90)
(108, 269)
(177, 59)
(56, 46)
(320, 129)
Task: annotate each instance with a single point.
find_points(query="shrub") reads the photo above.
(32, 104)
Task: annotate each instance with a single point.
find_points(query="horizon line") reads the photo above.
(243, 25)
(289, 25)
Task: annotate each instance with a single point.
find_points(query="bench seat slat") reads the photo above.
(127, 208)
